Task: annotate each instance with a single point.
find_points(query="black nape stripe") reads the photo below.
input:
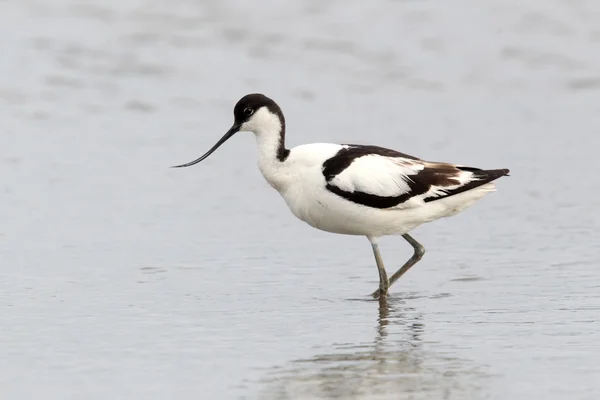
(282, 152)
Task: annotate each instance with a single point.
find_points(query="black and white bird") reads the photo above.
(357, 189)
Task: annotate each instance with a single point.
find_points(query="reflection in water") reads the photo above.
(395, 365)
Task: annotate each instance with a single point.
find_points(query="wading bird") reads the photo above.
(357, 189)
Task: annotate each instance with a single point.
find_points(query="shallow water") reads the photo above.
(121, 278)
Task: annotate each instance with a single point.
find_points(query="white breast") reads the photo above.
(299, 179)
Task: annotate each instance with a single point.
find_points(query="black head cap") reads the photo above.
(247, 106)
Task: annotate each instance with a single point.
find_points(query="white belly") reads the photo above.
(323, 210)
(326, 211)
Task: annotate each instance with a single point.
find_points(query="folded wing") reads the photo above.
(388, 181)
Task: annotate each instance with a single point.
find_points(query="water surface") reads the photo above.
(121, 278)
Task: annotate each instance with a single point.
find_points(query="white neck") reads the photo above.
(268, 144)
(268, 129)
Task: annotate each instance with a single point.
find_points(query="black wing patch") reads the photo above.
(436, 174)
(375, 201)
(343, 158)
(480, 177)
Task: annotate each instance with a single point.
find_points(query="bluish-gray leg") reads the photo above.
(418, 254)
(384, 283)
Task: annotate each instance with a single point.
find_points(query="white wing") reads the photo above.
(378, 175)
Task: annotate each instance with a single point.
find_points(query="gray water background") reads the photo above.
(123, 279)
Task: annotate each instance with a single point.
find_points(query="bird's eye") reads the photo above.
(248, 111)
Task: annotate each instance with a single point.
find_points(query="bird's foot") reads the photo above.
(380, 293)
